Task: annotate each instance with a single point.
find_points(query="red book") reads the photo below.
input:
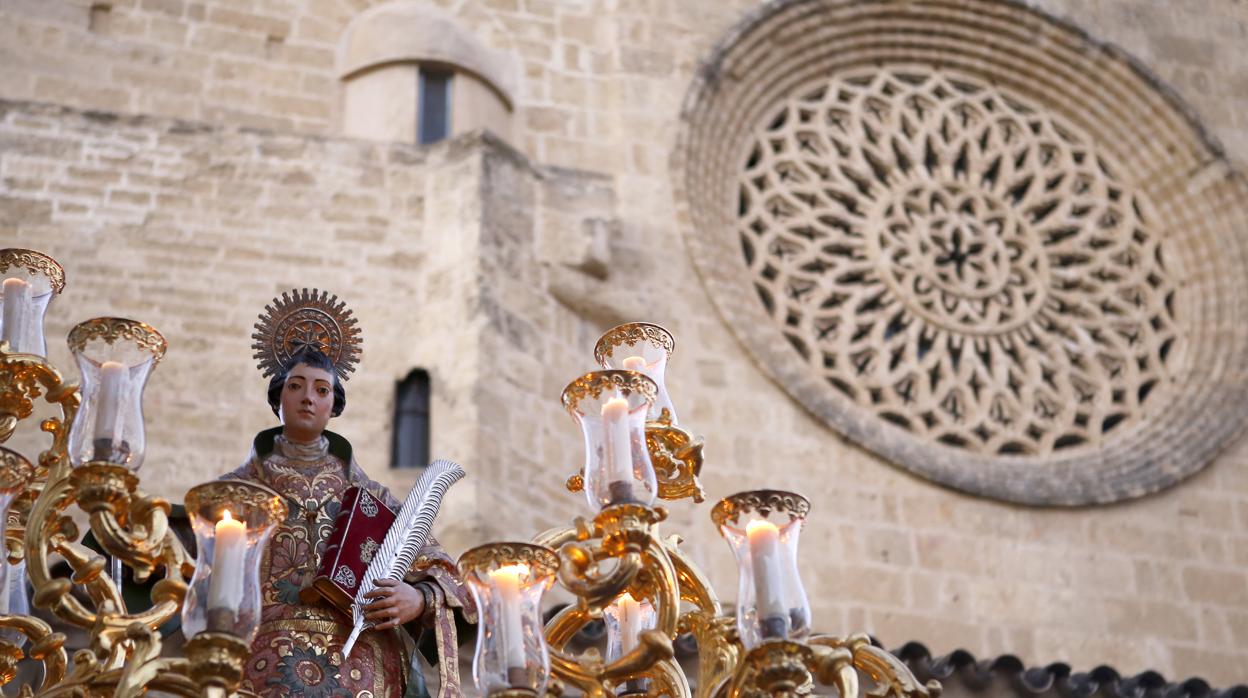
(358, 532)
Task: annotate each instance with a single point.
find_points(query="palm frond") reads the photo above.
(405, 538)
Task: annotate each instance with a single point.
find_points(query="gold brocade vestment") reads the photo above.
(298, 647)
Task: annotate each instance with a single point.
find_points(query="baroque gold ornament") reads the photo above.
(23, 378)
(15, 471)
(123, 655)
(34, 263)
(677, 459)
(593, 384)
(630, 335)
(730, 510)
(619, 556)
(112, 329)
(622, 569)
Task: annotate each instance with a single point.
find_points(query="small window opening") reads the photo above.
(411, 421)
(434, 102)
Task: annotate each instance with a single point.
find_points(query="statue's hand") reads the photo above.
(394, 604)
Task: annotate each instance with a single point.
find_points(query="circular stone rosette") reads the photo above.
(975, 241)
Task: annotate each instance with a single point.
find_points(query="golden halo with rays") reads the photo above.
(303, 319)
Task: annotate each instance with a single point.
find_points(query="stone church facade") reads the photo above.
(598, 162)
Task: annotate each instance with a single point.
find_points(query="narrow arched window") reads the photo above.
(411, 421)
(433, 100)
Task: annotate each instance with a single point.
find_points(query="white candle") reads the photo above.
(507, 580)
(225, 586)
(15, 594)
(635, 363)
(632, 622)
(619, 449)
(6, 585)
(112, 384)
(17, 312)
(765, 562)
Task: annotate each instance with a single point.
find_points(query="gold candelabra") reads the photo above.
(621, 568)
(96, 475)
(617, 564)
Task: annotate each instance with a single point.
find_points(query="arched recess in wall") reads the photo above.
(412, 73)
(410, 447)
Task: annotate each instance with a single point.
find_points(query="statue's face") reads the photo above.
(307, 400)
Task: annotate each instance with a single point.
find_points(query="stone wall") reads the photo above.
(600, 80)
(497, 275)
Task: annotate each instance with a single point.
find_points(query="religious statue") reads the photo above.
(307, 344)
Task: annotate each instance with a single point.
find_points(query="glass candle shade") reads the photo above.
(645, 347)
(16, 474)
(232, 521)
(508, 581)
(28, 281)
(115, 357)
(762, 527)
(626, 618)
(611, 409)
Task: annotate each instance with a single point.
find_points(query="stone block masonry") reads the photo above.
(473, 262)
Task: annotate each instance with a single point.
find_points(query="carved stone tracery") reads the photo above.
(964, 265)
(974, 240)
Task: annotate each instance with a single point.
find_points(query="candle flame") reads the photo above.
(225, 516)
(514, 572)
(760, 525)
(615, 407)
(634, 363)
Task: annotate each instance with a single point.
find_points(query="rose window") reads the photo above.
(965, 266)
(973, 240)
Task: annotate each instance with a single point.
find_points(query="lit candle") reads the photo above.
(507, 580)
(765, 562)
(112, 382)
(632, 622)
(619, 449)
(6, 585)
(16, 313)
(225, 586)
(635, 363)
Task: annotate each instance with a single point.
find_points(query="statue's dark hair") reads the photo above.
(315, 359)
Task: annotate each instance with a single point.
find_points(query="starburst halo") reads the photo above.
(303, 319)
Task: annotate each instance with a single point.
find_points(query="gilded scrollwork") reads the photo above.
(35, 263)
(677, 459)
(17, 475)
(257, 505)
(776, 669)
(719, 649)
(729, 510)
(112, 329)
(890, 676)
(632, 334)
(44, 646)
(593, 384)
(624, 539)
(123, 656)
(619, 551)
(216, 658)
(23, 378)
(15, 471)
(540, 560)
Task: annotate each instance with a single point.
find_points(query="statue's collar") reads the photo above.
(338, 446)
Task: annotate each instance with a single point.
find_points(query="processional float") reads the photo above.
(618, 565)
